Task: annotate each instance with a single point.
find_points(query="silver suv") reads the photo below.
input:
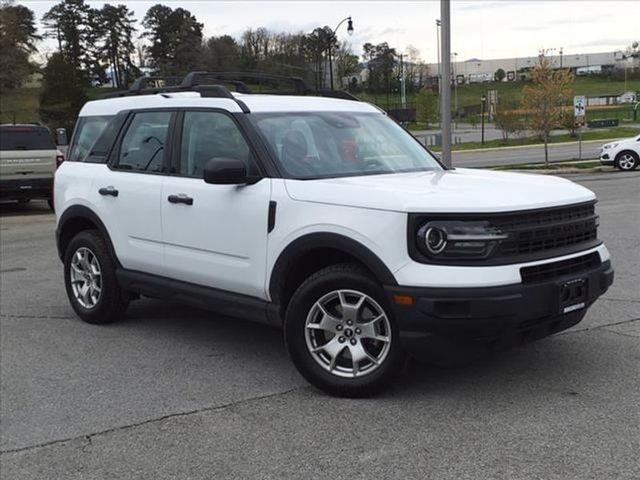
(28, 159)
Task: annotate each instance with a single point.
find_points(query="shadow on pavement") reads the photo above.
(34, 207)
(529, 366)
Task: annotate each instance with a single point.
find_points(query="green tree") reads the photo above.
(426, 106)
(63, 94)
(220, 53)
(499, 75)
(544, 100)
(18, 37)
(381, 61)
(113, 28)
(316, 46)
(69, 23)
(176, 39)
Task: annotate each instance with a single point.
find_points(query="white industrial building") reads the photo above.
(476, 70)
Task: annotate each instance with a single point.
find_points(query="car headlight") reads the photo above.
(610, 145)
(441, 239)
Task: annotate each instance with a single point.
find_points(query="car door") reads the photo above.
(214, 235)
(127, 192)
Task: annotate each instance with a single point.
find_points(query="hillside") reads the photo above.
(22, 104)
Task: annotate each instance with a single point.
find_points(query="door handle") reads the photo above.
(182, 198)
(108, 191)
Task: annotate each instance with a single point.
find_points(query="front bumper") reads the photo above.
(448, 320)
(27, 188)
(606, 158)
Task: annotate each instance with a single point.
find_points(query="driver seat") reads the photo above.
(294, 151)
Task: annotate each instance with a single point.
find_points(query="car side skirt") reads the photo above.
(220, 301)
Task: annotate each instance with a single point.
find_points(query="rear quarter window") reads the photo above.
(87, 132)
(26, 138)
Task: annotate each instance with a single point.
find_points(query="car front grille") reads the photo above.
(550, 230)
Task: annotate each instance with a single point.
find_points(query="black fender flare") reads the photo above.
(311, 241)
(82, 212)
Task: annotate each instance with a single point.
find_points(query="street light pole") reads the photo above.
(445, 96)
(331, 40)
(455, 83)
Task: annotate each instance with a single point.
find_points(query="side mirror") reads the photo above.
(61, 137)
(225, 171)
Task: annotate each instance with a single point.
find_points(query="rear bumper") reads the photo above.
(494, 318)
(22, 189)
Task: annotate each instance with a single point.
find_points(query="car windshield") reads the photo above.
(337, 144)
(26, 138)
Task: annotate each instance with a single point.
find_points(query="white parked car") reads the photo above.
(322, 217)
(624, 154)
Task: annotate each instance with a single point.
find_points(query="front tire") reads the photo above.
(627, 161)
(90, 279)
(341, 334)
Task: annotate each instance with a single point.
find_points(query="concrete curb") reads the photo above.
(559, 171)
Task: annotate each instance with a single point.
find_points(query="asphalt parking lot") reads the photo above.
(173, 392)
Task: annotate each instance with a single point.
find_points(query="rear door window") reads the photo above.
(88, 130)
(143, 145)
(209, 135)
(26, 138)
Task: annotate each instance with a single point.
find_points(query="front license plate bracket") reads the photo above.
(573, 295)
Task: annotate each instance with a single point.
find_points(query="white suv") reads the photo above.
(323, 217)
(624, 154)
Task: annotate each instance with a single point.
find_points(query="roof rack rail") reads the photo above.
(220, 91)
(300, 86)
(196, 82)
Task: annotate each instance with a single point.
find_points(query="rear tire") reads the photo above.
(341, 333)
(90, 279)
(627, 160)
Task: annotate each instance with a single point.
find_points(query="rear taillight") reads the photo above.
(59, 160)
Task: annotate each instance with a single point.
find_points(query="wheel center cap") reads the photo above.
(348, 333)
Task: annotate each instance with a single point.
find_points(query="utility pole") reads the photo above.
(445, 89)
(439, 76)
(483, 99)
(560, 57)
(403, 89)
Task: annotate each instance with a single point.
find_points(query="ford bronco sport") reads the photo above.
(320, 216)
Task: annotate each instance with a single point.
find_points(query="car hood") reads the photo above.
(460, 190)
(622, 141)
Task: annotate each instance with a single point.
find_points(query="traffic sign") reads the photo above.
(579, 106)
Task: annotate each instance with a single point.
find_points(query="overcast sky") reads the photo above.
(480, 29)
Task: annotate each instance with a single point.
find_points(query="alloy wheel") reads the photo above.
(626, 161)
(348, 333)
(86, 278)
